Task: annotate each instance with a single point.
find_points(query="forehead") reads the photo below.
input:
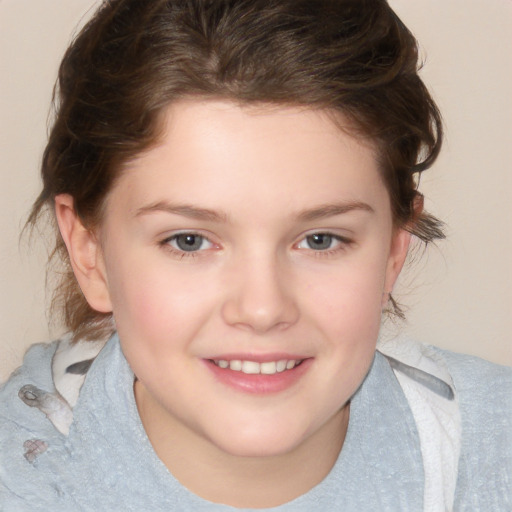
(217, 151)
(281, 126)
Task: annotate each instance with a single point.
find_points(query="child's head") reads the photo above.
(134, 59)
(234, 184)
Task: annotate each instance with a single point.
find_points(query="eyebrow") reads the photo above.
(331, 210)
(184, 210)
(193, 212)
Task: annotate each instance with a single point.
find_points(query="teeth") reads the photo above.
(281, 365)
(250, 367)
(235, 365)
(254, 368)
(268, 368)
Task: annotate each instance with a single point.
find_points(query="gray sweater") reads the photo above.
(106, 462)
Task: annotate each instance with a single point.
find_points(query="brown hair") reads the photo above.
(133, 58)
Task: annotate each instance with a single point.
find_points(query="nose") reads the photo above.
(260, 297)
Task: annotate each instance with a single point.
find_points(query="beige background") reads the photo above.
(460, 294)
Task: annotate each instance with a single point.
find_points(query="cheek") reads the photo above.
(352, 294)
(347, 310)
(155, 305)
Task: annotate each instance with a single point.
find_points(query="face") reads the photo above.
(245, 260)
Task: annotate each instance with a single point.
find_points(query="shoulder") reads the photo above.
(483, 388)
(35, 371)
(480, 406)
(25, 431)
(484, 392)
(17, 420)
(476, 382)
(39, 469)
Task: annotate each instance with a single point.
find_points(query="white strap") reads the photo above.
(436, 414)
(68, 382)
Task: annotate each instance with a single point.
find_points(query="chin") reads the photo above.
(259, 442)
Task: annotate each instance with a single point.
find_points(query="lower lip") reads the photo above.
(259, 384)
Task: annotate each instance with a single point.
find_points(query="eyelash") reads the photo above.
(342, 243)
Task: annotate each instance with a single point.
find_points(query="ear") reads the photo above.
(398, 252)
(85, 254)
(399, 249)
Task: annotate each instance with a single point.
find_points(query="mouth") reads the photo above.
(259, 377)
(256, 368)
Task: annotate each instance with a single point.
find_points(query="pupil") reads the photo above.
(189, 242)
(319, 241)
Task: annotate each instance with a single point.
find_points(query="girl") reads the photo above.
(234, 192)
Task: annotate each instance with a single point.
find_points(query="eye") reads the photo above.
(323, 242)
(319, 241)
(188, 242)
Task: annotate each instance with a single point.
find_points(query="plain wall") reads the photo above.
(459, 294)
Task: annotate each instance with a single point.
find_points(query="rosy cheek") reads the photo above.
(134, 298)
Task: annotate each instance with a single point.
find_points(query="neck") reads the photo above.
(244, 482)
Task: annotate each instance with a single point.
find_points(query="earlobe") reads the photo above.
(85, 254)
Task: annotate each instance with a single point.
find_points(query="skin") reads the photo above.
(256, 183)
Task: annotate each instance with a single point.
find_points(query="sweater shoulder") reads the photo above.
(26, 433)
(18, 421)
(35, 370)
(482, 381)
(484, 392)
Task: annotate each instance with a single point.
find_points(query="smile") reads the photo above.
(255, 368)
